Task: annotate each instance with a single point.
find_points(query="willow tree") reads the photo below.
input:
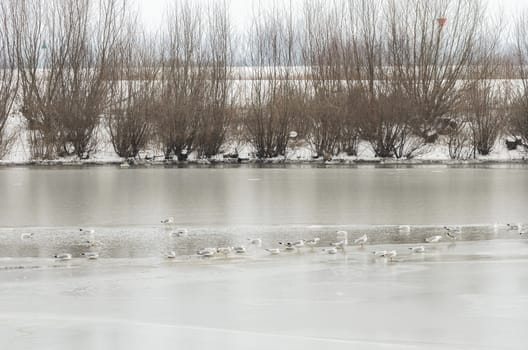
(330, 127)
(518, 123)
(63, 51)
(485, 100)
(383, 122)
(273, 100)
(431, 47)
(485, 107)
(135, 69)
(215, 119)
(8, 78)
(182, 85)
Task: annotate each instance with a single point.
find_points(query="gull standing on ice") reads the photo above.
(404, 229)
(451, 231)
(450, 235)
(63, 256)
(419, 249)
(168, 221)
(312, 242)
(288, 245)
(273, 251)
(239, 250)
(513, 227)
(340, 244)
(390, 254)
(255, 241)
(433, 239)
(343, 235)
(224, 250)
(170, 255)
(26, 236)
(87, 231)
(361, 240)
(343, 242)
(206, 252)
(299, 243)
(379, 253)
(181, 232)
(92, 243)
(332, 250)
(91, 255)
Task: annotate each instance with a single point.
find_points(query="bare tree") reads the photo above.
(183, 82)
(385, 126)
(8, 77)
(63, 49)
(273, 94)
(518, 120)
(458, 137)
(135, 71)
(29, 21)
(217, 114)
(353, 109)
(387, 109)
(485, 100)
(518, 116)
(485, 112)
(322, 53)
(432, 45)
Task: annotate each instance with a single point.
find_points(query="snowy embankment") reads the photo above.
(299, 151)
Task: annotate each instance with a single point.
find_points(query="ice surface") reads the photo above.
(153, 241)
(463, 295)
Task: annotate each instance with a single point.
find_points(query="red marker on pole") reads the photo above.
(441, 22)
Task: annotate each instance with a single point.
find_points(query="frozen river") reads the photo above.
(468, 293)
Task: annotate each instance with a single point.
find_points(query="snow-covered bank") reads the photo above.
(298, 152)
(435, 154)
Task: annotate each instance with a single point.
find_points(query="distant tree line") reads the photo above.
(399, 75)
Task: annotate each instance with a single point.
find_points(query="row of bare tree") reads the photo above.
(400, 75)
(82, 67)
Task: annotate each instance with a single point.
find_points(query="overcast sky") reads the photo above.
(241, 10)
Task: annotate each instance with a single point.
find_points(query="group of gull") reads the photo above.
(284, 246)
(339, 245)
(89, 242)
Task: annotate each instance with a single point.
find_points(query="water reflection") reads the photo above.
(225, 196)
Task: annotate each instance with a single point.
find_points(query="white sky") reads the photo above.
(241, 10)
